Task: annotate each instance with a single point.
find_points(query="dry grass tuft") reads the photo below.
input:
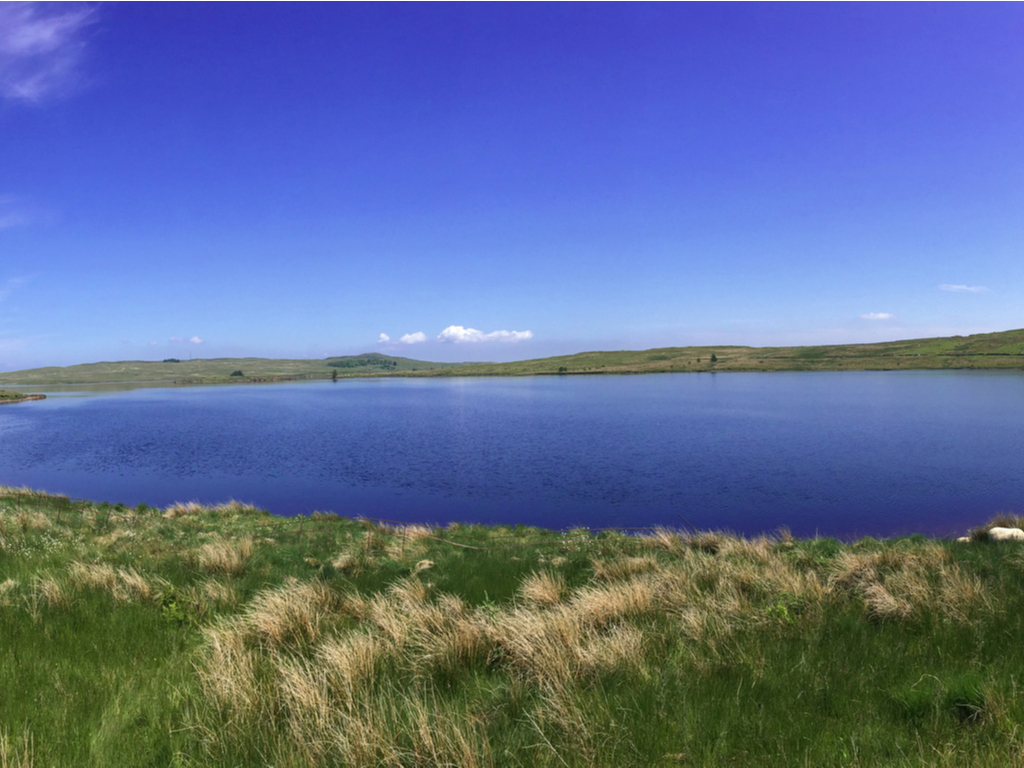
(622, 567)
(233, 507)
(290, 614)
(228, 675)
(13, 757)
(186, 509)
(226, 557)
(544, 588)
(7, 589)
(31, 520)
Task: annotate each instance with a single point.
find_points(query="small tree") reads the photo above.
(714, 358)
(334, 375)
(237, 373)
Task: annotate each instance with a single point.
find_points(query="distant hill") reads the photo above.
(215, 369)
(1004, 349)
(376, 362)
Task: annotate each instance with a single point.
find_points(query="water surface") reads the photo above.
(835, 453)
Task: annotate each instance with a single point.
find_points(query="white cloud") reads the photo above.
(40, 48)
(196, 340)
(459, 335)
(176, 338)
(413, 338)
(967, 288)
(878, 316)
(152, 343)
(383, 338)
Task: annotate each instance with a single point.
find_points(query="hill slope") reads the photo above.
(1004, 349)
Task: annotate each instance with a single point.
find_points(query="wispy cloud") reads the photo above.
(413, 338)
(967, 288)
(878, 316)
(193, 340)
(459, 335)
(152, 343)
(12, 213)
(384, 338)
(196, 340)
(10, 285)
(41, 46)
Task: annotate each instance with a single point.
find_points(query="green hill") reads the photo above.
(1004, 349)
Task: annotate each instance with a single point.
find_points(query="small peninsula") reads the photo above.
(17, 397)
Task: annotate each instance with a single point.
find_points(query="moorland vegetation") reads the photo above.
(1003, 350)
(220, 635)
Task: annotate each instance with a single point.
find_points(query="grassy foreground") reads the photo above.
(985, 350)
(222, 636)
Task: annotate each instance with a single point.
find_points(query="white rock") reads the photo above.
(1006, 534)
(964, 540)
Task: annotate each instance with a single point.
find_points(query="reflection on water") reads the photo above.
(834, 453)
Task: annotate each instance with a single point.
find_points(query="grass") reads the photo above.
(980, 351)
(223, 636)
(17, 397)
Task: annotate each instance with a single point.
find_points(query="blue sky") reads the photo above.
(504, 181)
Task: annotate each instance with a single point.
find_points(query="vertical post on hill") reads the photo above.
(404, 529)
(298, 539)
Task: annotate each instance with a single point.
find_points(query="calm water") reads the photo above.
(838, 453)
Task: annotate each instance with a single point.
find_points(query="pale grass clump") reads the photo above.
(233, 507)
(665, 538)
(542, 646)
(125, 585)
(133, 586)
(11, 756)
(757, 550)
(350, 662)
(542, 588)
(92, 576)
(897, 583)
(961, 594)
(228, 674)
(883, 606)
(621, 567)
(600, 605)
(183, 509)
(225, 556)
(447, 635)
(7, 589)
(31, 520)
(621, 647)
(218, 593)
(289, 614)
(48, 589)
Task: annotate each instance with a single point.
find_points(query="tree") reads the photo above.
(714, 358)
(237, 373)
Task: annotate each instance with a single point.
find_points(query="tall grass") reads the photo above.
(206, 636)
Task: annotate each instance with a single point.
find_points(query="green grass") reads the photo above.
(223, 636)
(1003, 350)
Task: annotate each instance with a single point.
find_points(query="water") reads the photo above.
(842, 454)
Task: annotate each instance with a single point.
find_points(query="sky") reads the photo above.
(504, 181)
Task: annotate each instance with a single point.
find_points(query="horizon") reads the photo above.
(462, 183)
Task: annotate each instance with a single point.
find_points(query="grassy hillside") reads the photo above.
(986, 350)
(221, 636)
(218, 369)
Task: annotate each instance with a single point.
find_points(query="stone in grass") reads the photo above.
(1005, 534)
